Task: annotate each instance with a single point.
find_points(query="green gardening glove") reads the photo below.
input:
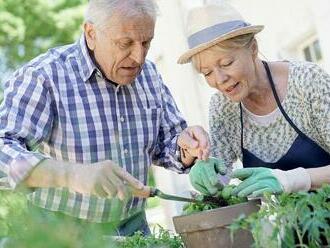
(203, 175)
(256, 181)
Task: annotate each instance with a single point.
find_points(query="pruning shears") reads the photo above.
(147, 192)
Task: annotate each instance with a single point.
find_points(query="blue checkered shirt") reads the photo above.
(60, 106)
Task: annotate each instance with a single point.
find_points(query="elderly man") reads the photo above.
(100, 115)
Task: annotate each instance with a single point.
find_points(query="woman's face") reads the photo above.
(231, 72)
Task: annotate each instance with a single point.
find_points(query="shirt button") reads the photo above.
(126, 151)
(122, 119)
(98, 73)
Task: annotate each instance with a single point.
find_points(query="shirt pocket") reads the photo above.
(144, 127)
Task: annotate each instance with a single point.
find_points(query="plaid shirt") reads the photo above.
(61, 105)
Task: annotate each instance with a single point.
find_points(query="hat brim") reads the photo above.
(186, 57)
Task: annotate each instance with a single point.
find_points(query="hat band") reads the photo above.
(210, 33)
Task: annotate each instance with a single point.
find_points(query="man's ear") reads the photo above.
(90, 35)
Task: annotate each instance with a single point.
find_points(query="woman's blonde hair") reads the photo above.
(237, 42)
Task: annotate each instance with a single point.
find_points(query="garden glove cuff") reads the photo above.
(204, 175)
(293, 180)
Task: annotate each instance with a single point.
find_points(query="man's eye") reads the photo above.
(124, 45)
(146, 43)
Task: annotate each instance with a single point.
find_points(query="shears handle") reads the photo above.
(145, 192)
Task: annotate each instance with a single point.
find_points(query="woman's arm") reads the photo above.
(319, 176)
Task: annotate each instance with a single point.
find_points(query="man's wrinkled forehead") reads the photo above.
(120, 25)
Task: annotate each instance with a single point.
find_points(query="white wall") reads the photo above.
(321, 14)
(287, 25)
(169, 42)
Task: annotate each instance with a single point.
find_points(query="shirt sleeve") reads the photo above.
(25, 121)
(219, 135)
(172, 124)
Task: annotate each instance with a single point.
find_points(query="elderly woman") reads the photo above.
(273, 116)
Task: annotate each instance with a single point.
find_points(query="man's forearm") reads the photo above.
(49, 173)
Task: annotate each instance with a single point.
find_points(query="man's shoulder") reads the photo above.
(150, 67)
(50, 60)
(149, 74)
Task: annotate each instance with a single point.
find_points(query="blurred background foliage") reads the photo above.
(21, 227)
(29, 28)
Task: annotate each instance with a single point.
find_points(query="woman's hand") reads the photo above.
(257, 181)
(204, 175)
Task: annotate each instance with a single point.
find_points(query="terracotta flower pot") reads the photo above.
(210, 228)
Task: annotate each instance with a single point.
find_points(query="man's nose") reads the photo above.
(138, 54)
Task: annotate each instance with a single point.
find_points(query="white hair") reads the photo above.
(98, 12)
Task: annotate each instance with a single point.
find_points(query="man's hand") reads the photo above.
(257, 181)
(103, 179)
(194, 143)
(203, 175)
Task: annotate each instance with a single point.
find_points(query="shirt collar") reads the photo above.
(87, 65)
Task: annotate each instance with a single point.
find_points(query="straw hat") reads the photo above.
(211, 24)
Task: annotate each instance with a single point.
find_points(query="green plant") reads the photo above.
(12, 210)
(163, 239)
(152, 202)
(221, 199)
(297, 220)
(22, 227)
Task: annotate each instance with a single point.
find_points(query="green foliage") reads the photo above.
(164, 239)
(152, 202)
(24, 228)
(221, 199)
(297, 220)
(29, 28)
(12, 208)
(226, 192)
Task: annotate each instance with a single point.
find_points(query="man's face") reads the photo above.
(120, 48)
